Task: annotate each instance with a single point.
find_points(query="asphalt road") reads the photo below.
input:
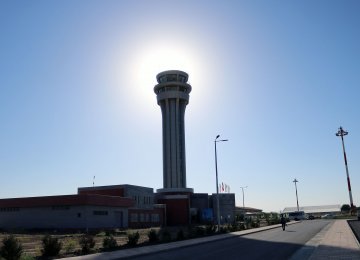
(270, 244)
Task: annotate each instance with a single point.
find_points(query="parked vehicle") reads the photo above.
(296, 215)
(327, 216)
(311, 217)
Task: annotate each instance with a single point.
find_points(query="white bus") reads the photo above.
(296, 215)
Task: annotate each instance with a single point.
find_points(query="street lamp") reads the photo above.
(342, 133)
(217, 183)
(297, 202)
(243, 195)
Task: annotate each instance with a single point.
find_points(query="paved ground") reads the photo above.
(355, 226)
(336, 241)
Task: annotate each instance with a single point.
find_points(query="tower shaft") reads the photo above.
(172, 97)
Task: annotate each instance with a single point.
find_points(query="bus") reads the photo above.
(296, 215)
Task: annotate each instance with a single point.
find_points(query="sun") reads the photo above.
(138, 67)
(159, 56)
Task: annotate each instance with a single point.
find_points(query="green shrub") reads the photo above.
(180, 235)
(153, 236)
(165, 236)
(133, 239)
(191, 232)
(255, 224)
(210, 229)
(242, 226)
(69, 246)
(51, 246)
(110, 232)
(11, 249)
(223, 230)
(200, 231)
(109, 243)
(233, 227)
(197, 232)
(87, 243)
(27, 257)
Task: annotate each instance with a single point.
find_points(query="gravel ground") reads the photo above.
(355, 226)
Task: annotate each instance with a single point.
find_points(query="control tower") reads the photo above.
(172, 93)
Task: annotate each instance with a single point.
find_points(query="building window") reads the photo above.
(9, 209)
(142, 219)
(79, 215)
(155, 218)
(60, 207)
(100, 212)
(134, 217)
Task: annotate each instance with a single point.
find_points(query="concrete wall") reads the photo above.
(227, 207)
(59, 217)
(177, 209)
(144, 218)
(199, 201)
(143, 196)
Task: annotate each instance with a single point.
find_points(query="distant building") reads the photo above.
(118, 206)
(247, 210)
(316, 211)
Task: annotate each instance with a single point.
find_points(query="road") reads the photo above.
(270, 244)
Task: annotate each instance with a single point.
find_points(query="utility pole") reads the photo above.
(297, 201)
(217, 183)
(243, 195)
(342, 133)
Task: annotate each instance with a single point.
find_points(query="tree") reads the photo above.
(51, 246)
(345, 208)
(87, 243)
(11, 249)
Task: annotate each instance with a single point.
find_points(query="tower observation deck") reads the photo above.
(172, 93)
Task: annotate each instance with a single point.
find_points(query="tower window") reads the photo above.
(182, 78)
(171, 77)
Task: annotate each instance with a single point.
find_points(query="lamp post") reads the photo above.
(243, 195)
(217, 183)
(297, 202)
(342, 133)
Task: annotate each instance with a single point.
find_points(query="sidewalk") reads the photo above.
(338, 242)
(335, 241)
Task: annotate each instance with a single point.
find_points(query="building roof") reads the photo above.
(68, 200)
(314, 209)
(113, 188)
(248, 210)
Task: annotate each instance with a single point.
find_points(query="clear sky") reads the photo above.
(276, 78)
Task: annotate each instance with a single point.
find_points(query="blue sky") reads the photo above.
(276, 78)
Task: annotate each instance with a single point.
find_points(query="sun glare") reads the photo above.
(155, 58)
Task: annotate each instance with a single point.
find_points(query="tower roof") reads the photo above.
(172, 75)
